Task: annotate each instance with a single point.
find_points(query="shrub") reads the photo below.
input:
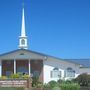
(39, 85)
(60, 81)
(15, 76)
(52, 84)
(83, 79)
(3, 77)
(56, 88)
(68, 81)
(70, 86)
(35, 81)
(25, 76)
(46, 86)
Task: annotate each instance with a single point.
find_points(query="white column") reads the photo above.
(0, 68)
(63, 74)
(29, 67)
(14, 66)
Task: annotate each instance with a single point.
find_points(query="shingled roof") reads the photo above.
(84, 62)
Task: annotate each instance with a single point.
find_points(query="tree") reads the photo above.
(83, 79)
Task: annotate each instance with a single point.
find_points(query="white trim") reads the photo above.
(0, 68)
(14, 66)
(29, 67)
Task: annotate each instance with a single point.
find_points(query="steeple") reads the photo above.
(23, 37)
(23, 24)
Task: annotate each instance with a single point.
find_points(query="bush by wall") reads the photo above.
(19, 76)
(83, 79)
(15, 76)
(3, 77)
(72, 86)
(52, 84)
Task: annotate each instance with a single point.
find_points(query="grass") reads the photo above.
(11, 88)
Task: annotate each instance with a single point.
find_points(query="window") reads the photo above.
(55, 73)
(23, 42)
(56, 69)
(69, 72)
(21, 53)
(22, 69)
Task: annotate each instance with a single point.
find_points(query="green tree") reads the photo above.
(83, 79)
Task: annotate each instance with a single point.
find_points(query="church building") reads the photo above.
(33, 63)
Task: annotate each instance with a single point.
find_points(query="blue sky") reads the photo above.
(59, 28)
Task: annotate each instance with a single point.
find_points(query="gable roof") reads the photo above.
(21, 50)
(38, 53)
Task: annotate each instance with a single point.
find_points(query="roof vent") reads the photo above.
(21, 53)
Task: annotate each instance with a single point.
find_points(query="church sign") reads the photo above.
(15, 83)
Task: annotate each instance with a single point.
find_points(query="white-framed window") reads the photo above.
(55, 73)
(69, 72)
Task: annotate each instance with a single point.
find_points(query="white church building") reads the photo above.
(46, 67)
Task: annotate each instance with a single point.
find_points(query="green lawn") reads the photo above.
(11, 89)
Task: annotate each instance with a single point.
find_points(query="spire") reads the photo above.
(23, 24)
(23, 37)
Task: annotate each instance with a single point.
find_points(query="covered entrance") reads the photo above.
(30, 67)
(22, 61)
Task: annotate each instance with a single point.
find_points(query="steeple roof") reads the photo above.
(23, 38)
(23, 34)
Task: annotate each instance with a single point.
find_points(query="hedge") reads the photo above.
(72, 86)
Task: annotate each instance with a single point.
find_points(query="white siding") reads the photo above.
(84, 70)
(51, 63)
(47, 72)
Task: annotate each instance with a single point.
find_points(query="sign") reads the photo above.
(14, 83)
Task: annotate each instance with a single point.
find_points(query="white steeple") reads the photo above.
(23, 37)
(23, 24)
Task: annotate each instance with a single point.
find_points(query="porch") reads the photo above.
(24, 66)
